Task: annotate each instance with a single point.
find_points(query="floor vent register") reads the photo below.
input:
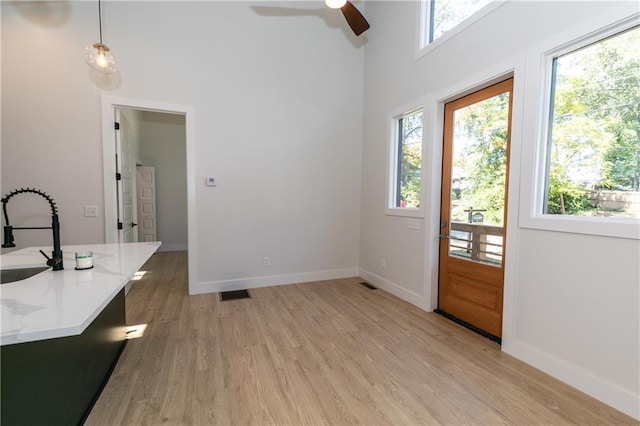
(234, 295)
(367, 285)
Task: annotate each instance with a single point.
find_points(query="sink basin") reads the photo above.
(11, 275)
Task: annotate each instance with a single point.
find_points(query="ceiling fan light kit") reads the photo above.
(98, 55)
(335, 4)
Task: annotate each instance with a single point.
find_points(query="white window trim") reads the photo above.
(392, 161)
(536, 124)
(421, 26)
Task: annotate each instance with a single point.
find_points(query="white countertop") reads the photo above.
(63, 303)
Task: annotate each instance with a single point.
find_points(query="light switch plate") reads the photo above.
(413, 224)
(90, 211)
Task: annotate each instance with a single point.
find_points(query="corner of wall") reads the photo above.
(416, 299)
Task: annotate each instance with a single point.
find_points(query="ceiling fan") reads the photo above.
(354, 18)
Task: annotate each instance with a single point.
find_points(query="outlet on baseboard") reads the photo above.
(266, 261)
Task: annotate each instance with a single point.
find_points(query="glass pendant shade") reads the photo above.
(335, 4)
(98, 55)
(100, 58)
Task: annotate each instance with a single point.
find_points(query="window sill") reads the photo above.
(404, 212)
(628, 228)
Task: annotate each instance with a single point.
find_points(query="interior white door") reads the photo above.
(146, 199)
(126, 181)
(118, 160)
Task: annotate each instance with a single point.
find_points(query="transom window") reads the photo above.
(440, 16)
(593, 151)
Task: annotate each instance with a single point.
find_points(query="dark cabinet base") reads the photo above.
(57, 381)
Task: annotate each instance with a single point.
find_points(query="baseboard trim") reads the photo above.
(611, 394)
(271, 280)
(395, 289)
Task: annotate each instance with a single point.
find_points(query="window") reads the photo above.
(440, 16)
(593, 146)
(405, 167)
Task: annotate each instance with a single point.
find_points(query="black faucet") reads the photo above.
(56, 255)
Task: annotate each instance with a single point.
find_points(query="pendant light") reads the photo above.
(98, 55)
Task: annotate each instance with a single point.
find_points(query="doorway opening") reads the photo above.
(153, 178)
(148, 181)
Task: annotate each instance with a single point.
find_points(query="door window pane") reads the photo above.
(478, 179)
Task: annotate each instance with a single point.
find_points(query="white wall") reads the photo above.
(46, 138)
(164, 147)
(571, 300)
(278, 120)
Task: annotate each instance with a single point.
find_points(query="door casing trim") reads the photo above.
(434, 113)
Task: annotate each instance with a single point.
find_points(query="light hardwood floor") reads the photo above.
(329, 352)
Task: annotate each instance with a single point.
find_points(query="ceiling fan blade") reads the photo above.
(354, 18)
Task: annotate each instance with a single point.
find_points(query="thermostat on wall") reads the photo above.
(211, 181)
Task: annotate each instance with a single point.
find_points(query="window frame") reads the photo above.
(540, 91)
(393, 160)
(424, 25)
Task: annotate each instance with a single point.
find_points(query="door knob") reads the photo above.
(133, 224)
(443, 236)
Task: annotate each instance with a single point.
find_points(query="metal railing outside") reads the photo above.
(479, 242)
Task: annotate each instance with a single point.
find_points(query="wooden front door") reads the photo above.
(475, 171)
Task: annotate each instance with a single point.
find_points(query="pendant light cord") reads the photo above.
(100, 20)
